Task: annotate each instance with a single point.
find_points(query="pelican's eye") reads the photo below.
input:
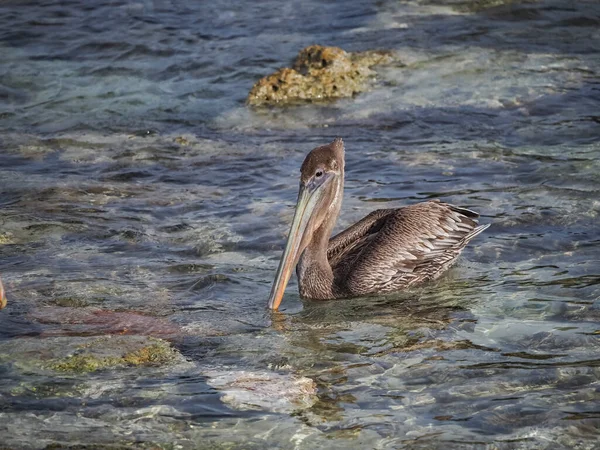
(319, 173)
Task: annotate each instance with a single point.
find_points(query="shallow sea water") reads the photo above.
(141, 199)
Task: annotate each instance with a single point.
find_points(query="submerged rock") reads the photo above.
(318, 73)
(149, 352)
(268, 391)
(74, 355)
(96, 321)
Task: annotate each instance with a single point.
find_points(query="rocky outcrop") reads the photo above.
(319, 73)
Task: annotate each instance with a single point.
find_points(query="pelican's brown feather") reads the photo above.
(394, 248)
(355, 236)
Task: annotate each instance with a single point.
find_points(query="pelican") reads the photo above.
(388, 250)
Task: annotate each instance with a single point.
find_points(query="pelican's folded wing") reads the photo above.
(407, 245)
(346, 245)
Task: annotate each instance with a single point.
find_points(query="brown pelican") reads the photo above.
(2, 296)
(386, 251)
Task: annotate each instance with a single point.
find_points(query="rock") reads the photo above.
(268, 391)
(97, 321)
(73, 355)
(182, 141)
(155, 353)
(318, 73)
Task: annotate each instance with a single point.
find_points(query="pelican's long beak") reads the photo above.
(2, 296)
(308, 198)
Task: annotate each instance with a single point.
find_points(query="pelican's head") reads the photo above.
(319, 199)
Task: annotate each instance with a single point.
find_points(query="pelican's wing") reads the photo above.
(406, 246)
(346, 245)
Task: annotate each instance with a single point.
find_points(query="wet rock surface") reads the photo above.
(75, 355)
(269, 391)
(319, 73)
(90, 321)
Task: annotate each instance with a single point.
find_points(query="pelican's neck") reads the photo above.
(315, 276)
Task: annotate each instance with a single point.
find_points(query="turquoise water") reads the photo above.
(141, 199)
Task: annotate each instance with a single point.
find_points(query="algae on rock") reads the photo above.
(318, 73)
(153, 352)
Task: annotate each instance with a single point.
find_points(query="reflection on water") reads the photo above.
(143, 209)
